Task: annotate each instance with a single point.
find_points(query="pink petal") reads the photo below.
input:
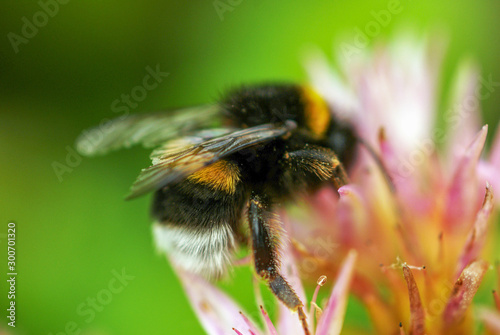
(388, 82)
(330, 85)
(477, 236)
(269, 323)
(351, 214)
(324, 202)
(495, 150)
(288, 322)
(251, 328)
(217, 313)
(417, 313)
(463, 115)
(399, 172)
(288, 266)
(491, 319)
(333, 316)
(386, 149)
(490, 170)
(464, 290)
(463, 192)
(407, 174)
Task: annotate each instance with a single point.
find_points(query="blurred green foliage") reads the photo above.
(72, 234)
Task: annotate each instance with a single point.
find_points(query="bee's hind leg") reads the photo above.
(265, 228)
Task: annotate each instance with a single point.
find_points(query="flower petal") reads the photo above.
(217, 313)
(495, 150)
(269, 323)
(329, 84)
(477, 235)
(462, 196)
(497, 266)
(491, 320)
(288, 322)
(352, 216)
(490, 170)
(333, 316)
(496, 297)
(251, 327)
(417, 313)
(464, 290)
(463, 115)
(388, 81)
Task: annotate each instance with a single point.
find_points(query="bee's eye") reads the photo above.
(343, 142)
(338, 141)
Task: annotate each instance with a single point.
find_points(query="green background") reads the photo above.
(72, 234)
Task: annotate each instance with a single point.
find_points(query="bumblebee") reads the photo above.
(219, 167)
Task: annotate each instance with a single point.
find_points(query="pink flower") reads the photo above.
(435, 228)
(220, 315)
(415, 255)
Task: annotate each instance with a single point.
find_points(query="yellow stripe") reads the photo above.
(317, 114)
(222, 175)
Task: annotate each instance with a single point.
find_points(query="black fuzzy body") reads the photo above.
(200, 218)
(262, 167)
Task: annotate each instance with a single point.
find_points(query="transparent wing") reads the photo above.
(177, 161)
(177, 145)
(146, 129)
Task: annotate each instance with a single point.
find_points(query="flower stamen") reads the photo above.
(400, 265)
(237, 331)
(268, 322)
(251, 327)
(440, 254)
(401, 329)
(314, 307)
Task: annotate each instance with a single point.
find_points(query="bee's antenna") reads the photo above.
(379, 162)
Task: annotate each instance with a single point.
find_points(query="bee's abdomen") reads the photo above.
(198, 217)
(206, 252)
(205, 197)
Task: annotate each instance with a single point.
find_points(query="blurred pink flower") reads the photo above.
(220, 315)
(414, 256)
(435, 228)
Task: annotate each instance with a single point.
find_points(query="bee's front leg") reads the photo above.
(265, 229)
(339, 176)
(317, 161)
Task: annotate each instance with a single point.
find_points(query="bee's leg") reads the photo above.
(265, 229)
(339, 175)
(321, 162)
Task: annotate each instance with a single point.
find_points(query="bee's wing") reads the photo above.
(147, 129)
(177, 161)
